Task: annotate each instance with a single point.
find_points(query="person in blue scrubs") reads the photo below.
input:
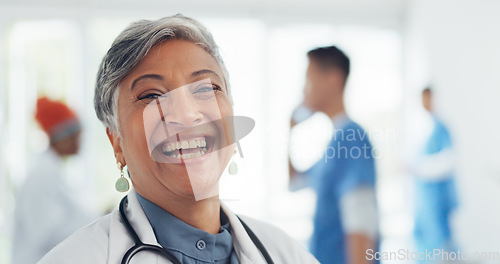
(435, 193)
(345, 220)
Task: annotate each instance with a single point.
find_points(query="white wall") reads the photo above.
(454, 44)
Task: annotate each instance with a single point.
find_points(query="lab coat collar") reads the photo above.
(139, 220)
(245, 249)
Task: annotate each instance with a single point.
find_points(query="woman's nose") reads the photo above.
(182, 109)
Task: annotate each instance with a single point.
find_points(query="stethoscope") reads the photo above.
(139, 246)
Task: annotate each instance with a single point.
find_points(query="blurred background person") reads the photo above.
(46, 210)
(435, 194)
(345, 221)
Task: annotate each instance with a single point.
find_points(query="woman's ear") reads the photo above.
(114, 139)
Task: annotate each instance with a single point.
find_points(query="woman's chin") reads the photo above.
(199, 179)
(205, 192)
(204, 185)
(194, 183)
(198, 191)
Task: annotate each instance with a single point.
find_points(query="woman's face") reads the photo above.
(171, 111)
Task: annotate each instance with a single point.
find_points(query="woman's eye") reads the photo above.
(149, 96)
(205, 89)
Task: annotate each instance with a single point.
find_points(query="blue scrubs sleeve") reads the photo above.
(359, 168)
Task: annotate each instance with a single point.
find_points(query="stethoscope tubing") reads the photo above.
(139, 246)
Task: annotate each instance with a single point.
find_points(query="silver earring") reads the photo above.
(121, 184)
(233, 168)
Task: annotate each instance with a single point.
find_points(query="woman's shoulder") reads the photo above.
(279, 244)
(87, 245)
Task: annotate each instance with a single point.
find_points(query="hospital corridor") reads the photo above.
(320, 131)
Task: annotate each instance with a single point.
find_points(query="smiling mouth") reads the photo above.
(186, 149)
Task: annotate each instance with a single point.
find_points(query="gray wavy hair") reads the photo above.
(132, 46)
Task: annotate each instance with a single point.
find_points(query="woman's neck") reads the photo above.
(203, 214)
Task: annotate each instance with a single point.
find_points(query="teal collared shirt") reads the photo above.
(189, 244)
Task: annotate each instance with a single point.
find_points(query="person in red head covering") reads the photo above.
(47, 210)
(61, 125)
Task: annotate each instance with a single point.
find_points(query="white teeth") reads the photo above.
(165, 149)
(188, 156)
(199, 144)
(185, 145)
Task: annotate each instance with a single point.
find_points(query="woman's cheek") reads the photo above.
(145, 125)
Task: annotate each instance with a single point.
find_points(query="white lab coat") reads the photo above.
(106, 241)
(46, 210)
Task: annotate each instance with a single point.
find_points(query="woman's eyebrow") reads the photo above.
(206, 72)
(146, 76)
